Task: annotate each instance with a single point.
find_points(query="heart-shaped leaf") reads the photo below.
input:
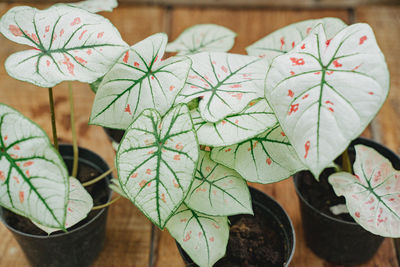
(253, 120)
(33, 176)
(285, 39)
(266, 158)
(201, 38)
(139, 80)
(68, 44)
(203, 237)
(79, 205)
(156, 161)
(373, 194)
(218, 190)
(95, 6)
(325, 93)
(226, 83)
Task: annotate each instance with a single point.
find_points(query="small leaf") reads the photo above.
(79, 205)
(68, 44)
(218, 190)
(253, 120)
(139, 80)
(33, 176)
(203, 237)
(156, 161)
(326, 94)
(201, 38)
(95, 6)
(285, 39)
(266, 158)
(373, 193)
(226, 83)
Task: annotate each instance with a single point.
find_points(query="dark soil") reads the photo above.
(254, 241)
(99, 192)
(115, 135)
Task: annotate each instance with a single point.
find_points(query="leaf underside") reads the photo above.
(95, 6)
(156, 161)
(33, 177)
(373, 193)
(325, 92)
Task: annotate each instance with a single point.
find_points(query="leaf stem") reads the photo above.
(107, 204)
(73, 130)
(100, 177)
(53, 118)
(346, 164)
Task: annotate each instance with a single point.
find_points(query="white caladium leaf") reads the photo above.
(95, 6)
(266, 158)
(226, 83)
(68, 44)
(373, 193)
(202, 38)
(325, 93)
(218, 190)
(253, 120)
(285, 39)
(203, 237)
(79, 205)
(33, 176)
(139, 80)
(156, 161)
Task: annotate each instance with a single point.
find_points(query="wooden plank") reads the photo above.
(128, 231)
(386, 22)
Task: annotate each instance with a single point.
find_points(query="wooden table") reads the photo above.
(128, 231)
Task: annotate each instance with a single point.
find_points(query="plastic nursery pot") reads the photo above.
(115, 136)
(83, 242)
(335, 238)
(273, 246)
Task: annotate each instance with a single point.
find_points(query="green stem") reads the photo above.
(53, 118)
(100, 177)
(346, 164)
(107, 204)
(73, 130)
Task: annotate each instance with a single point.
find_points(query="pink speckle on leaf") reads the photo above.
(133, 176)
(163, 198)
(100, 35)
(184, 220)
(15, 30)
(293, 44)
(297, 61)
(126, 57)
(238, 96)
(69, 209)
(16, 179)
(228, 150)
(283, 134)
(308, 30)
(290, 93)
(83, 33)
(128, 109)
(21, 196)
(303, 46)
(293, 108)
(224, 69)
(136, 64)
(363, 39)
(307, 148)
(171, 88)
(35, 38)
(2, 177)
(236, 86)
(305, 96)
(282, 42)
(27, 173)
(357, 214)
(187, 236)
(292, 73)
(318, 72)
(47, 28)
(89, 51)
(336, 64)
(177, 157)
(331, 109)
(148, 171)
(62, 32)
(142, 183)
(16, 147)
(179, 146)
(69, 65)
(269, 161)
(328, 42)
(236, 122)
(212, 239)
(329, 72)
(48, 63)
(176, 185)
(76, 21)
(371, 93)
(215, 225)
(356, 67)
(328, 102)
(193, 86)
(213, 62)
(80, 60)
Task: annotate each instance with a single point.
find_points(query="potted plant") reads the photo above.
(68, 43)
(324, 90)
(167, 107)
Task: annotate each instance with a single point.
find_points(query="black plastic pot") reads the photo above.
(81, 245)
(115, 136)
(276, 216)
(333, 239)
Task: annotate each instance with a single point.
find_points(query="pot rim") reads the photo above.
(359, 140)
(100, 212)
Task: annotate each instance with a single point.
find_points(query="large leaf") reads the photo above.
(156, 161)
(218, 190)
(266, 158)
(325, 93)
(33, 177)
(139, 80)
(253, 120)
(226, 83)
(201, 38)
(68, 44)
(95, 6)
(373, 193)
(285, 39)
(203, 237)
(79, 205)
